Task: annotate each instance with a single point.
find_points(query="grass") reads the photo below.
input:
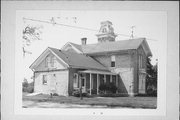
(112, 102)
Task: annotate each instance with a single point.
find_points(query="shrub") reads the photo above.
(25, 84)
(151, 92)
(76, 93)
(103, 87)
(110, 88)
(113, 95)
(93, 91)
(28, 87)
(55, 94)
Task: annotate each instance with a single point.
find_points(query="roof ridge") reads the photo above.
(142, 38)
(54, 48)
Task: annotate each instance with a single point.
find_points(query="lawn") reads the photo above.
(109, 102)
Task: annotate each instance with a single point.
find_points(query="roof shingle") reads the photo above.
(112, 46)
(78, 60)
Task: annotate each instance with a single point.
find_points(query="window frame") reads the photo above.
(53, 61)
(75, 80)
(140, 61)
(47, 61)
(44, 79)
(113, 61)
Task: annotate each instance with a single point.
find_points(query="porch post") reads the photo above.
(104, 78)
(97, 84)
(116, 82)
(90, 82)
(110, 78)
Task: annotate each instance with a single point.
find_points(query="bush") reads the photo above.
(103, 87)
(113, 95)
(93, 91)
(28, 87)
(110, 88)
(76, 93)
(55, 94)
(151, 92)
(25, 84)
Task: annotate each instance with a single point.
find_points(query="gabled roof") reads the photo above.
(74, 60)
(76, 47)
(78, 60)
(114, 46)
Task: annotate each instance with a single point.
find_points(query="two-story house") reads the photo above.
(90, 65)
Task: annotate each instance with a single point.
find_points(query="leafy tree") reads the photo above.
(151, 78)
(25, 83)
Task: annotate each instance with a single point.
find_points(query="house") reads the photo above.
(90, 65)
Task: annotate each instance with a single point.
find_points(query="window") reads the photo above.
(47, 61)
(44, 80)
(140, 61)
(83, 81)
(75, 78)
(53, 61)
(113, 61)
(104, 30)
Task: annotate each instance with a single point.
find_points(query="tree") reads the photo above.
(151, 79)
(30, 34)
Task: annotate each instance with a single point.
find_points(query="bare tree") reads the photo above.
(30, 34)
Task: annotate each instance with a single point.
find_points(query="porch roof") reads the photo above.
(98, 72)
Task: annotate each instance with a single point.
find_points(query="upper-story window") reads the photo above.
(53, 64)
(113, 61)
(104, 30)
(140, 61)
(47, 61)
(50, 62)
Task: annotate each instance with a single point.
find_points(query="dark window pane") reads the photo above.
(112, 63)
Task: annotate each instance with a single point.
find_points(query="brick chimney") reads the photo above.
(83, 41)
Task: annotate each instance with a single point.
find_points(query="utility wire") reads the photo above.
(54, 23)
(83, 28)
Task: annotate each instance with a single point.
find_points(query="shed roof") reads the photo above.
(98, 72)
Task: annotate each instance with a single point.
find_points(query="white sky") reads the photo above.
(149, 24)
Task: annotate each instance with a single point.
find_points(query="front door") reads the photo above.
(83, 80)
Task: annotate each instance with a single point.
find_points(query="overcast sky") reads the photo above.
(149, 24)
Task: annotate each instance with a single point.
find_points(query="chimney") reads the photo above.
(83, 41)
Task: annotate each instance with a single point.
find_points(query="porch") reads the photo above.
(90, 80)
